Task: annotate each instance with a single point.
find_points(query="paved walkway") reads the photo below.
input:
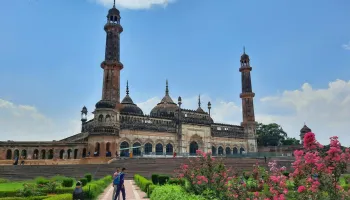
(132, 192)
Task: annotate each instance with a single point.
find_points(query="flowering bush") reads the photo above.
(316, 175)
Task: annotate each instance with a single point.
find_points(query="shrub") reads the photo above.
(95, 188)
(67, 182)
(60, 197)
(29, 190)
(167, 192)
(150, 190)
(51, 186)
(58, 178)
(177, 181)
(24, 198)
(162, 179)
(88, 177)
(2, 180)
(83, 181)
(142, 182)
(286, 174)
(41, 180)
(155, 178)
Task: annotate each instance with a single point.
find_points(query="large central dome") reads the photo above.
(166, 107)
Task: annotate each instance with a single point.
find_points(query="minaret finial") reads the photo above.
(114, 4)
(244, 49)
(166, 88)
(199, 101)
(127, 87)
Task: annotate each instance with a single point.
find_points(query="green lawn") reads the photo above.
(11, 186)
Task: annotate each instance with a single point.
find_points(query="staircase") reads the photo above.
(143, 166)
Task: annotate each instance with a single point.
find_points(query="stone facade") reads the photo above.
(121, 127)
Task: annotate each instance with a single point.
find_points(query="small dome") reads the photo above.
(305, 129)
(128, 106)
(200, 110)
(113, 11)
(166, 107)
(84, 110)
(244, 56)
(105, 104)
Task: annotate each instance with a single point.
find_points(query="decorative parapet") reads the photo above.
(227, 130)
(147, 123)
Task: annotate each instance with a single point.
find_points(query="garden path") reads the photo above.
(131, 189)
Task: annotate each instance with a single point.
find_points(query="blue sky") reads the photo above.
(51, 51)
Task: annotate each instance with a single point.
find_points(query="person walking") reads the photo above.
(116, 173)
(119, 182)
(78, 193)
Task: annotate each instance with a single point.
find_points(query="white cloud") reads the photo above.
(326, 111)
(346, 46)
(135, 4)
(26, 123)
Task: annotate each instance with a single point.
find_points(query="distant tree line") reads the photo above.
(273, 135)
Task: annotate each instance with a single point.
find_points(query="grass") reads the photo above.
(11, 186)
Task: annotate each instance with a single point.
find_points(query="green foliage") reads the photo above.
(177, 181)
(246, 175)
(88, 176)
(150, 190)
(51, 186)
(162, 179)
(29, 190)
(67, 182)
(285, 173)
(155, 178)
(58, 178)
(142, 182)
(290, 141)
(2, 180)
(270, 134)
(24, 198)
(168, 192)
(41, 180)
(83, 181)
(60, 197)
(95, 188)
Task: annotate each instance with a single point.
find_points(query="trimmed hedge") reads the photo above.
(177, 181)
(88, 176)
(144, 184)
(24, 198)
(163, 179)
(167, 192)
(41, 180)
(67, 182)
(83, 181)
(60, 197)
(155, 179)
(95, 188)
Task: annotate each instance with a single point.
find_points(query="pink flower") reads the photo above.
(301, 189)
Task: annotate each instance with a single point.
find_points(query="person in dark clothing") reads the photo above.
(120, 186)
(265, 158)
(78, 193)
(16, 161)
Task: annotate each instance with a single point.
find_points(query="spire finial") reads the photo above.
(113, 3)
(127, 87)
(166, 88)
(199, 101)
(244, 49)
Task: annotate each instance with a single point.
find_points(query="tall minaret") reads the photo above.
(111, 65)
(106, 114)
(247, 96)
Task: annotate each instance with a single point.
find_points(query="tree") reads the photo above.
(273, 135)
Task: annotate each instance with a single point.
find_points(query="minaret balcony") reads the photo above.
(245, 69)
(247, 95)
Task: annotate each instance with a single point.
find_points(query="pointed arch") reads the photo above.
(35, 154)
(9, 154)
(43, 154)
(75, 153)
(69, 153)
(61, 154)
(159, 149)
(220, 150)
(193, 148)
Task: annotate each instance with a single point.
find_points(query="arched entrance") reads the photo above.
(24, 153)
(97, 149)
(84, 153)
(169, 149)
(75, 153)
(234, 150)
(9, 154)
(69, 152)
(36, 154)
(136, 151)
(148, 148)
(124, 149)
(213, 150)
(16, 153)
(61, 154)
(220, 151)
(193, 148)
(159, 149)
(43, 154)
(108, 150)
(50, 154)
(241, 150)
(228, 150)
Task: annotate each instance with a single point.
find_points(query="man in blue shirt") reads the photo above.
(120, 186)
